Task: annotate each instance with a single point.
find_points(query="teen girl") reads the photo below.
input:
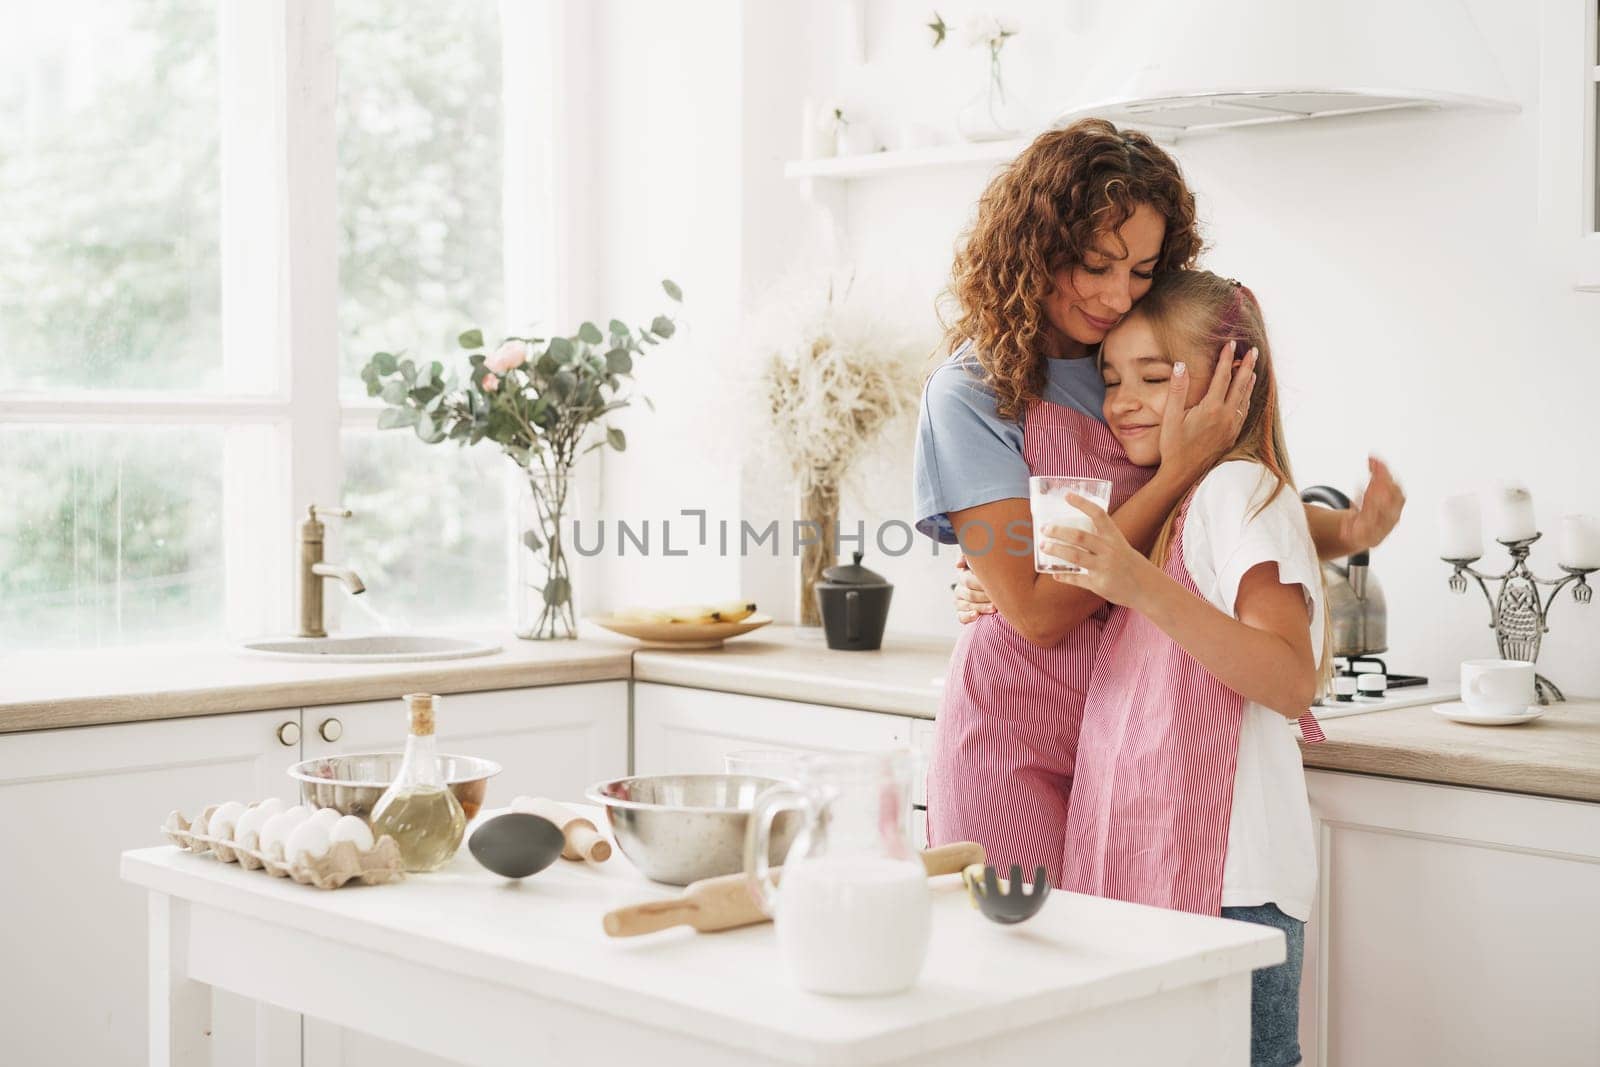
(1189, 791)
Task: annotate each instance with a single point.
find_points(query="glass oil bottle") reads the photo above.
(418, 810)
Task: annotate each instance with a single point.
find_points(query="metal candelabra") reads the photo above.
(1517, 614)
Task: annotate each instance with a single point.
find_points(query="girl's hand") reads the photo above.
(1193, 440)
(1117, 571)
(970, 597)
(1369, 522)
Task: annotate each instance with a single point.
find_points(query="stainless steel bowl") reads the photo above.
(680, 828)
(352, 784)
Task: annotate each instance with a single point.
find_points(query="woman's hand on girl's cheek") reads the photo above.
(970, 597)
(1366, 525)
(1115, 570)
(1193, 439)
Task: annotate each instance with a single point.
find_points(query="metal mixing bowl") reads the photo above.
(352, 784)
(680, 828)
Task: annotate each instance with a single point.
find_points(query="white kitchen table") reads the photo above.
(466, 965)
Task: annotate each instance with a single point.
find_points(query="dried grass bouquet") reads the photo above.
(834, 377)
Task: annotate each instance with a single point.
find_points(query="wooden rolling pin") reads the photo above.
(726, 902)
(584, 842)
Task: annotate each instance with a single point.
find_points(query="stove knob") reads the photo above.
(1344, 687)
(1372, 685)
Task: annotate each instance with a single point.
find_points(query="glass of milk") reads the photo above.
(1047, 497)
(850, 905)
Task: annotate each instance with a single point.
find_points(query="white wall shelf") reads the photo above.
(904, 161)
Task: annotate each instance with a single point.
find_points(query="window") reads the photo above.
(211, 214)
(1569, 139)
(108, 196)
(419, 188)
(1592, 62)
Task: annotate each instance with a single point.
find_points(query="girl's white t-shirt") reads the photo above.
(1271, 857)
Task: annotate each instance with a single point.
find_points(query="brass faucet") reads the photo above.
(313, 571)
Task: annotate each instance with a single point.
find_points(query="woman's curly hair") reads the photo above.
(1040, 215)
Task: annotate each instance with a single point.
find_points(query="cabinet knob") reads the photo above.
(289, 733)
(331, 729)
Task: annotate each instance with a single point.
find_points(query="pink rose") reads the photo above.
(509, 355)
(490, 383)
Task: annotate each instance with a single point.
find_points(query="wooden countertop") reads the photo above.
(1556, 755)
(85, 688)
(904, 677)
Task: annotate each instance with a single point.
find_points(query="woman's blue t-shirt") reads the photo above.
(966, 453)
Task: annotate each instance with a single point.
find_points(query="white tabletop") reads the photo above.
(543, 936)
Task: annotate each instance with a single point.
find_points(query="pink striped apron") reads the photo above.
(1007, 733)
(1153, 793)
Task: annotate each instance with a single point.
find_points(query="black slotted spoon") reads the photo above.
(1006, 903)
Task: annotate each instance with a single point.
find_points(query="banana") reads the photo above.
(654, 615)
(692, 613)
(734, 611)
(728, 611)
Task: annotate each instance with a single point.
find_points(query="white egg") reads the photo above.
(250, 824)
(308, 840)
(354, 829)
(223, 819)
(277, 829)
(326, 816)
(271, 805)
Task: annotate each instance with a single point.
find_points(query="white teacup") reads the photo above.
(1497, 686)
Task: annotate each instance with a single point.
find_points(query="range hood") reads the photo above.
(1188, 67)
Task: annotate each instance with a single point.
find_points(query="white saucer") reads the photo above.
(1456, 711)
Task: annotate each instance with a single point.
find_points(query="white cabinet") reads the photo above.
(74, 935)
(679, 731)
(1453, 926)
(550, 741)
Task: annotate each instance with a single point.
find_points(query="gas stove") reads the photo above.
(1366, 684)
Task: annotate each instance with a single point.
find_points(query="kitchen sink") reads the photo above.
(369, 648)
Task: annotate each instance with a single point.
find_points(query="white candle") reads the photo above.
(1511, 513)
(1461, 527)
(1580, 542)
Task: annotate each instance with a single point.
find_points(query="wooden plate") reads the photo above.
(681, 634)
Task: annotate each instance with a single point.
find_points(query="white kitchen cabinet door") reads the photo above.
(74, 939)
(1453, 926)
(551, 741)
(677, 730)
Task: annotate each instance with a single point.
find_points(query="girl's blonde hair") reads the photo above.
(1193, 313)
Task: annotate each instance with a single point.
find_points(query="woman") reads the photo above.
(1067, 240)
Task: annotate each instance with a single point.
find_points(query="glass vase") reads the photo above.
(546, 509)
(990, 115)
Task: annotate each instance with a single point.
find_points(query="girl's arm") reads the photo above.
(996, 538)
(997, 543)
(1264, 655)
(1342, 533)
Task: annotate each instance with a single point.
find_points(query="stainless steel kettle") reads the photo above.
(1356, 610)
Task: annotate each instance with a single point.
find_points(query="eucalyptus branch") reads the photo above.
(536, 398)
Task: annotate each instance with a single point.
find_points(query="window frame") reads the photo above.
(1569, 83)
(280, 405)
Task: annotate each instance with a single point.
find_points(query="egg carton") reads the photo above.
(342, 863)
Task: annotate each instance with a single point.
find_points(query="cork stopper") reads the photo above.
(421, 707)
